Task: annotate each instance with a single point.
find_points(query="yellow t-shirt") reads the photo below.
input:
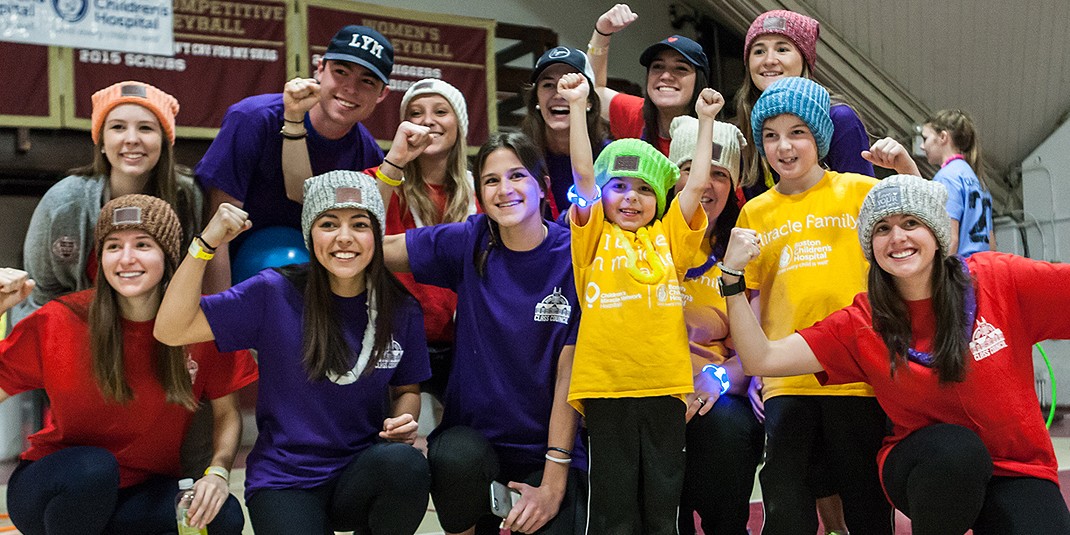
(705, 312)
(631, 342)
(811, 264)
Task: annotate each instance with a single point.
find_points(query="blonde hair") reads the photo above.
(458, 188)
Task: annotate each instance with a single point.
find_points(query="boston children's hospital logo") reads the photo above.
(71, 10)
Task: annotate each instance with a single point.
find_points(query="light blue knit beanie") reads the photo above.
(801, 97)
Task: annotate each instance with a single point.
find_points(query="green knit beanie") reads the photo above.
(639, 159)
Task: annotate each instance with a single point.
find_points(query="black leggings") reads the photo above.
(463, 464)
(941, 478)
(76, 491)
(842, 433)
(724, 448)
(383, 491)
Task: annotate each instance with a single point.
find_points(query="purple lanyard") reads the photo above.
(970, 304)
(697, 272)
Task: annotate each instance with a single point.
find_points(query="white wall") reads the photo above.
(573, 21)
(1046, 202)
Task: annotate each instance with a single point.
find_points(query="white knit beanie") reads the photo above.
(727, 142)
(434, 86)
(905, 194)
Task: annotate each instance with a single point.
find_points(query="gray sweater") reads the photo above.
(61, 235)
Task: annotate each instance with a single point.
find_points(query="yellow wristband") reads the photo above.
(597, 50)
(387, 180)
(197, 251)
(218, 471)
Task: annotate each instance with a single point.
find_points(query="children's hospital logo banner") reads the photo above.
(223, 52)
(455, 49)
(123, 25)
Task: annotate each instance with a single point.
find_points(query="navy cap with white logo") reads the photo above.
(365, 47)
(689, 49)
(569, 56)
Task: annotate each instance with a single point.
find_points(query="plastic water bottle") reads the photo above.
(182, 504)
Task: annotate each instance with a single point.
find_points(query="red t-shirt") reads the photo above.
(438, 304)
(50, 349)
(1016, 303)
(626, 120)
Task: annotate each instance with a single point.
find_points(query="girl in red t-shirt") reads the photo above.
(121, 403)
(946, 345)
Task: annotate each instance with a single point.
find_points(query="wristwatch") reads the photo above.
(728, 290)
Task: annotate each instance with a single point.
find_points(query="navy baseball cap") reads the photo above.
(569, 56)
(690, 50)
(365, 47)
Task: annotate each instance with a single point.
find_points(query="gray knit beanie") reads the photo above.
(341, 189)
(910, 195)
(801, 97)
(434, 86)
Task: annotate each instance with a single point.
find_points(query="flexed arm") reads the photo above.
(573, 87)
(180, 320)
(760, 356)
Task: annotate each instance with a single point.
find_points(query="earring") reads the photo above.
(537, 107)
(588, 107)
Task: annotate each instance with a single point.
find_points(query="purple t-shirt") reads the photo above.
(309, 430)
(245, 159)
(559, 167)
(849, 139)
(512, 324)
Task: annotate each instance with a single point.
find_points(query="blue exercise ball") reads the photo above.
(267, 248)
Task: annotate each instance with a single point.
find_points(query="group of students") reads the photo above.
(862, 312)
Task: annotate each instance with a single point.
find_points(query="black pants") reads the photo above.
(843, 433)
(76, 491)
(463, 464)
(636, 455)
(941, 478)
(383, 491)
(724, 448)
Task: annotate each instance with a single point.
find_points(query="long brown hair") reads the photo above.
(891, 318)
(163, 183)
(533, 161)
(324, 348)
(960, 128)
(106, 348)
(651, 130)
(534, 126)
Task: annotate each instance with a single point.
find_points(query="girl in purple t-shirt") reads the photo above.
(341, 352)
(506, 418)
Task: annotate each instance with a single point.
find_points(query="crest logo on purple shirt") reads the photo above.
(553, 307)
(391, 357)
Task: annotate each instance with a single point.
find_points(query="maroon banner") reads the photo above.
(24, 70)
(224, 51)
(455, 53)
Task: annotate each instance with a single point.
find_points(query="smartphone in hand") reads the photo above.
(502, 499)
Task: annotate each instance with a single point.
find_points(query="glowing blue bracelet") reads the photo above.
(720, 374)
(576, 199)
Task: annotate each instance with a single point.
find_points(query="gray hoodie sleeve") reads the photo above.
(59, 240)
